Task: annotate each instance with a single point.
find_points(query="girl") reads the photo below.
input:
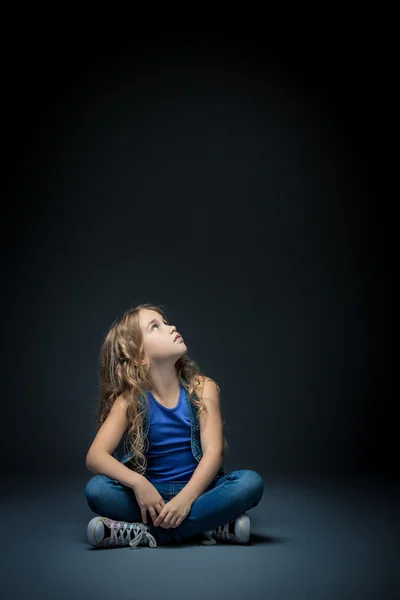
(173, 465)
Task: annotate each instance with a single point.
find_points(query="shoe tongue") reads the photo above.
(107, 531)
(121, 534)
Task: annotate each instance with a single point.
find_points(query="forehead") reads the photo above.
(147, 315)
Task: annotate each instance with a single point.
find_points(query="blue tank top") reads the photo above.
(169, 456)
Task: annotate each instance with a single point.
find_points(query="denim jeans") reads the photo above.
(222, 501)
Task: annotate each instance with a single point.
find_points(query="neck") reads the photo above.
(165, 385)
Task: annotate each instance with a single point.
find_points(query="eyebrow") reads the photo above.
(150, 322)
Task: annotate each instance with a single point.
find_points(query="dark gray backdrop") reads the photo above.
(236, 184)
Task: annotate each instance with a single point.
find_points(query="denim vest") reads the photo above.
(195, 433)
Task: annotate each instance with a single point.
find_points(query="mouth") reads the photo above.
(178, 337)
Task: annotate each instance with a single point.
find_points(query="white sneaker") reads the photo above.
(236, 532)
(103, 532)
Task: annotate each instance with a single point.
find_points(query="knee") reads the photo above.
(253, 483)
(94, 489)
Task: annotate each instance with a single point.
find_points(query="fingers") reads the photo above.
(166, 521)
(170, 524)
(160, 508)
(152, 513)
(152, 510)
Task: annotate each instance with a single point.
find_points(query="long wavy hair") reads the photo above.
(123, 374)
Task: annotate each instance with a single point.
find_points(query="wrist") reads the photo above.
(186, 495)
(136, 478)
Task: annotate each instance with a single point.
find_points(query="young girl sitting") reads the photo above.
(173, 465)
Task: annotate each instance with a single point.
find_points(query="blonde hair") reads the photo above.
(122, 373)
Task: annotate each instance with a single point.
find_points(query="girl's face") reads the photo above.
(159, 337)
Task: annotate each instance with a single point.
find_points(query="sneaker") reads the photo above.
(105, 533)
(236, 531)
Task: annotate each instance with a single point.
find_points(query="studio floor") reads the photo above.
(329, 538)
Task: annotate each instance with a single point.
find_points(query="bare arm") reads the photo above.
(211, 437)
(203, 475)
(99, 459)
(104, 464)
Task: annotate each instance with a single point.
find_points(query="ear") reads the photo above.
(143, 361)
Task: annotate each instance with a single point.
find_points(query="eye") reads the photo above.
(155, 325)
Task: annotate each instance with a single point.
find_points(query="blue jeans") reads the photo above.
(222, 501)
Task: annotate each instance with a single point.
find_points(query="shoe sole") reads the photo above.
(244, 529)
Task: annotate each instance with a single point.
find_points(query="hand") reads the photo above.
(148, 498)
(174, 512)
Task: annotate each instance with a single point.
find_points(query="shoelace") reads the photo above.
(121, 533)
(222, 532)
